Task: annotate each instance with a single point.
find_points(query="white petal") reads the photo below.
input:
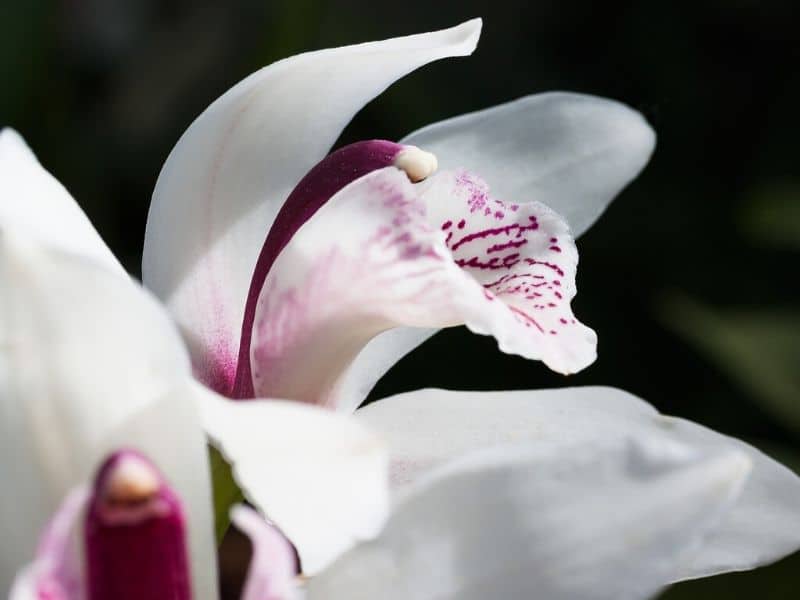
(572, 152)
(595, 522)
(319, 476)
(226, 179)
(34, 204)
(89, 362)
(429, 427)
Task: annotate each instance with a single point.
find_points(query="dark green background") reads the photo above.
(102, 90)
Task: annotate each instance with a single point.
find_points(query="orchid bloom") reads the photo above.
(309, 291)
(300, 275)
(480, 472)
(305, 276)
(598, 522)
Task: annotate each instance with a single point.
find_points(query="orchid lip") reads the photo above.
(323, 181)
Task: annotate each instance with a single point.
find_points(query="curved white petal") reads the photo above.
(227, 177)
(377, 256)
(429, 427)
(597, 521)
(34, 204)
(89, 362)
(572, 152)
(320, 477)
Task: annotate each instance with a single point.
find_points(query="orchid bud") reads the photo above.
(135, 534)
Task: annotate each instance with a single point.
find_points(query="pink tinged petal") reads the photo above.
(367, 261)
(55, 573)
(89, 361)
(271, 574)
(225, 181)
(35, 205)
(596, 521)
(525, 258)
(428, 428)
(135, 534)
(328, 177)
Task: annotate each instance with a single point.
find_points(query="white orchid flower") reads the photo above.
(597, 522)
(89, 361)
(310, 281)
(232, 277)
(306, 276)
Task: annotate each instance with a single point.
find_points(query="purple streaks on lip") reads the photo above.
(493, 263)
(507, 229)
(507, 245)
(323, 181)
(141, 557)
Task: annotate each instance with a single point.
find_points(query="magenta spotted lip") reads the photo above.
(520, 254)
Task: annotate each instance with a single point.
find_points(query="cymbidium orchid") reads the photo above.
(307, 276)
(292, 274)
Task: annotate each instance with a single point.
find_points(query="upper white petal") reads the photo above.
(429, 427)
(572, 152)
(89, 363)
(594, 521)
(322, 478)
(33, 203)
(229, 174)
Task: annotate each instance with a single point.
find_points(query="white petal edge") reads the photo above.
(598, 521)
(572, 152)
(34, 204)
(426, 428)
(89, 363)
(322, 478)
(224, 182)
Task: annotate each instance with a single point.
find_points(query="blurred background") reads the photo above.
(689, 278)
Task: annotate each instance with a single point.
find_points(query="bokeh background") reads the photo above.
(689, 278)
